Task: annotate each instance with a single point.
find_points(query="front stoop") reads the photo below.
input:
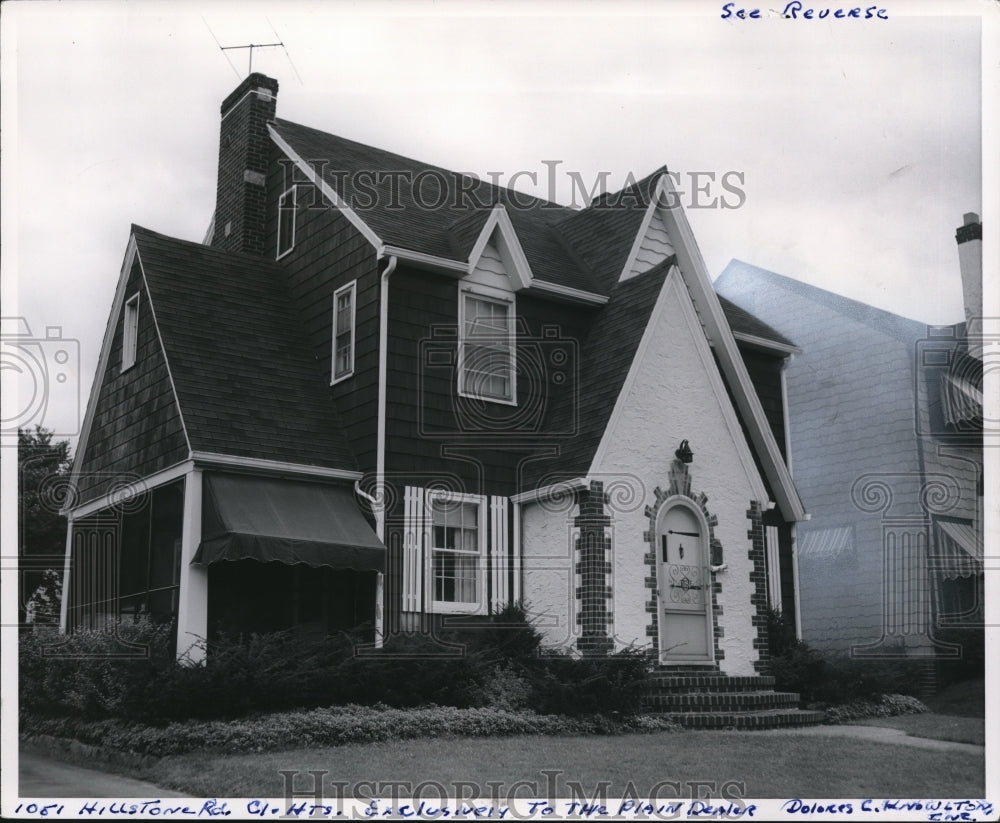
(712, 700)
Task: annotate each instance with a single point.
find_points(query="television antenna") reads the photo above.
(250, 47)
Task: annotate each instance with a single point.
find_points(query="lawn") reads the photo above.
(768, 766)
(936, 726)
(957, 714)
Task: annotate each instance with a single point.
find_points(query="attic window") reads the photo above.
(286, 222)
(486, 354)
(130, 331)
(343, 331)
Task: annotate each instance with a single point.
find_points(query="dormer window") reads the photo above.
(486, 351)
(130, 331)
(343, 331)
(286, 222)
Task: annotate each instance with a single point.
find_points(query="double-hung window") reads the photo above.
(486, 346)
(458, 539)
(343, 331)
(286, 222)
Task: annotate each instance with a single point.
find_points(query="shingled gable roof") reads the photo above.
(742, 322)
(604, 232)
(245, 382)
(606, 356)
(580, 249)
(431, 210)
(894, 325)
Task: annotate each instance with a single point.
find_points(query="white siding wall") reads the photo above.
(654, 248)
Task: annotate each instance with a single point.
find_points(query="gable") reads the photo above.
(652, 245)
(674, 392)
(135, 427)
(244, 373)
(490, 270)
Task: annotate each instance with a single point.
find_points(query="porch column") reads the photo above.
(67, 566)
(379, 607)
(192, 607)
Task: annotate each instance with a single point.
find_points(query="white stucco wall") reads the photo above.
(547, 541)
(672, 396)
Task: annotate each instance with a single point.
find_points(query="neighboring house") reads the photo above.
(885, 421)
(369, 401)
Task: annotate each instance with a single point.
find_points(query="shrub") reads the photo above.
(886, 705)
(331, 727)
(109, 672)
(589, 685)
(970, 665)
(832, 679)
(495, 663)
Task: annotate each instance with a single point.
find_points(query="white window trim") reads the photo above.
(445, 606)
(293, 190)
(130, 332)
(499, 296)
(352, 288)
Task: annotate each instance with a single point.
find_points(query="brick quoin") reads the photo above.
(759, 579)
(244, 147)
(593, 550)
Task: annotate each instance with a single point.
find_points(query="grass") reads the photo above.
(957, 714)
(767, 765)
(936, 726)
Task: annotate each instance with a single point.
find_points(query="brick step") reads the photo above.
(721, 701)
(770, 719)
(661, 683)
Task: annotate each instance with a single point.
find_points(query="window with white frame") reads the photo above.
(343, 331)
(457, 538)
(286, 222)
(486, 346)
(130, 331)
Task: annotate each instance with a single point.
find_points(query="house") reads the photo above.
(382, 393)
(885, 422)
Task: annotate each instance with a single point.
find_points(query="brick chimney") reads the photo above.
(244, 146)
(970, 262)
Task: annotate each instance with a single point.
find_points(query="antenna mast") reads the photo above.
(252, 46)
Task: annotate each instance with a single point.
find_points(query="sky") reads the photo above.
(857, 143)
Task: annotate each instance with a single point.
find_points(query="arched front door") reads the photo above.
(685, 603)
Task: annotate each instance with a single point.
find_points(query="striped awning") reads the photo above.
(278, 520)
(963, 400)
(959, 551)
(827, 544)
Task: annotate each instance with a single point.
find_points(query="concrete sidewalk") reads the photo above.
(43, 776)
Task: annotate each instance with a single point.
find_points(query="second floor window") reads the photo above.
(343, 331)
(286, 222)
(486, 347)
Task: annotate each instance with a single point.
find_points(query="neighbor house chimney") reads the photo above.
(970, 262)
(244, 146)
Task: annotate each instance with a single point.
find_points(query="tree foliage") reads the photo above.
(43, 466)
